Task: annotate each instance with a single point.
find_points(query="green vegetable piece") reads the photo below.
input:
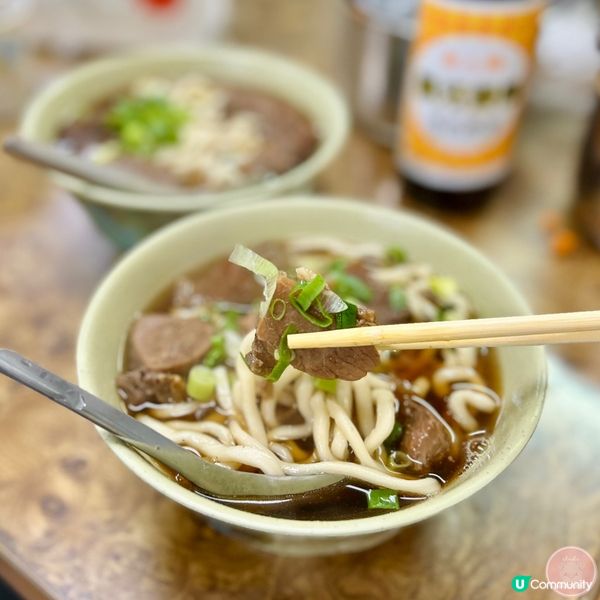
(217, 352)
(339, 264)
(285, 355)
(383, 499)
(396, 255)
(447, 313)
(346, 285)
(277, 309)
(145, 124)
(397, 298)
(323, 319)
(231, 320)
(443, 287)
(310, 291)
(347, 318)
(329, 386)
(391, 442)
(201, 383)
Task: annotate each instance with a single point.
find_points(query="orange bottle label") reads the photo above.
(464, 91)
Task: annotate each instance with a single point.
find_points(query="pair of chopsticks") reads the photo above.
(529, 330)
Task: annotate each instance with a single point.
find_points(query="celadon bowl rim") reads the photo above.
(87, 358)
(263, 65)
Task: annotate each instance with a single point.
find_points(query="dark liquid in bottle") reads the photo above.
(457, 201)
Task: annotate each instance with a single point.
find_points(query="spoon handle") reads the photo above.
(208, 476)
(87, 405)
(45, 155)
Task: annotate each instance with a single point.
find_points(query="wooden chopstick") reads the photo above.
(539, 339)
(453, 333)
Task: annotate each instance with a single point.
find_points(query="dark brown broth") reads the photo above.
(289, 138)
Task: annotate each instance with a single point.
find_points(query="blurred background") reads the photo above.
(363, 49)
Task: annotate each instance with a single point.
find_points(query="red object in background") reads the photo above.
(160, 4)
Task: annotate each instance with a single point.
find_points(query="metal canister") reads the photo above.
(376, 45)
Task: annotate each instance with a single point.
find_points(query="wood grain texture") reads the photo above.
(76, 524)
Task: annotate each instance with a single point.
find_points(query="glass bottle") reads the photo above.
(463, 96)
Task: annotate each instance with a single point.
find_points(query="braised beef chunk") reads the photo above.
(224, 281)
(327, 363)
(288, 135)
(141, 386)
(221, 281)
(425, 439)
(160, 342)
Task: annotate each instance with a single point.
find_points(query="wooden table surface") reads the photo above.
(75, 524)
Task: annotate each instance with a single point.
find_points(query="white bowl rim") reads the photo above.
(292, 527)
(327, 149)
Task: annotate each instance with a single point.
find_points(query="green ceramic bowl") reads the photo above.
(192, 241)
(126, 217)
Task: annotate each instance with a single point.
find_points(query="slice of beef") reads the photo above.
(425, 439)
(161, 342)
(225, 281)
(327, 363)
(142, 385)
(289, 137)
(221, 280)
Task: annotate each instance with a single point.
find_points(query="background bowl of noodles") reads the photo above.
(191, 242)
(127, 216)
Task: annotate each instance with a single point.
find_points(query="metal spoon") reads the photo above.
(47, 156)
(210, 477)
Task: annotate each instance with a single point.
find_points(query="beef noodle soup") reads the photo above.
(396, 425)
(192, 132)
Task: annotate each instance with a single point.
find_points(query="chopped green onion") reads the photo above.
(391, 442)
(447, 313)
(231, 320)
(310, 291)
(397, 298)
(339, 264)
(329, 386)
(284, 357)
(145, 124)
(299, 285)
(217, 352)
(201, 383)
(396, 255)
(265, 269)
(332, 303)
(443, 287)
(322, 320)
(383, 499)
(277, 310)
(347, 285)
(347, 318)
